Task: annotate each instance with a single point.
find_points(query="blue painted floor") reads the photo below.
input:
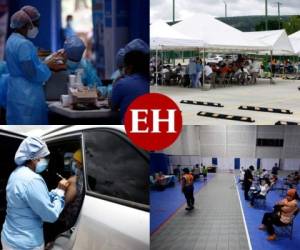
(253, 217)
(165, 203)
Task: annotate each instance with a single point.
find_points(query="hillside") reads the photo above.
(248, 23)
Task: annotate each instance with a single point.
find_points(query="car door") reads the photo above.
(115, 211)
(9, 143)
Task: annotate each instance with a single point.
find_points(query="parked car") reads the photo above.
(114, 213)
(215, 59)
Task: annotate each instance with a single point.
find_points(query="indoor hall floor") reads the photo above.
(216, 223)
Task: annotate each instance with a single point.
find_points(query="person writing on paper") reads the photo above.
(29, 203)
(25, 95)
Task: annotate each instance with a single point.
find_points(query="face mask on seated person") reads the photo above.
(74, 169)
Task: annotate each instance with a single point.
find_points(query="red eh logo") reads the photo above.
(153, 121)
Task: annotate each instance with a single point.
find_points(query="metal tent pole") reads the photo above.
(203, 65)
(156, 73)
(271, 57)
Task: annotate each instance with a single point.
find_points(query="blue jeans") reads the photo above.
(193, 80)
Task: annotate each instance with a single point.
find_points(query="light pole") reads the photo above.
(225, 8)
(173, 11)
(266, 14)
(278, 5)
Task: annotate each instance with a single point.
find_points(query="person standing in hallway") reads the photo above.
(187, 187)
(248, 179)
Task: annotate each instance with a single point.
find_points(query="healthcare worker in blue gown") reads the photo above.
(25, 96)
(135, 82)
(72, 52)
(29, 203)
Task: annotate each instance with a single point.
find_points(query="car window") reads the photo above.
(115, 167)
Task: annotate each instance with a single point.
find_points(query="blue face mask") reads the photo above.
(74, 169)
(72, 65)
(41, 166)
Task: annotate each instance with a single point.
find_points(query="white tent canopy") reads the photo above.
(295, 41)
(277, 39)
(218, 35)
(164, 37)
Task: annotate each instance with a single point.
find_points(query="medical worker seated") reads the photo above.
(29, 203)
(135, 82)
(119, 72)
(72, 53)
(25, 95)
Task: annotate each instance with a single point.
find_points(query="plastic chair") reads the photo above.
(261, 201)
(288, 228)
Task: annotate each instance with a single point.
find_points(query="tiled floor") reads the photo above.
(284, 94)
(215, 224)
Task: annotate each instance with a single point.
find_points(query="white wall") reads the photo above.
(241, 141)
(247, 162)
(268, 163)
(225, 163)
(291, 164)
(269, 132)
(213, 141)
(228, 142)
(291, 147)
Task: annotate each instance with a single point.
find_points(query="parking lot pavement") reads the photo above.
(284, 94)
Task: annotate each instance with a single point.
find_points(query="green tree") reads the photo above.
(272, 25)
(292, 24)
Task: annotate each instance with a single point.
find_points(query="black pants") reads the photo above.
(246, 190)
(189, 195)
(256, 196)
(269, 220)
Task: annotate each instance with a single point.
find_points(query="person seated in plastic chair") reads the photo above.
(296, 177)
(264, 174)
(261, 192)
(160, 181)
(282, 215)
(273, 180)
(290, 181)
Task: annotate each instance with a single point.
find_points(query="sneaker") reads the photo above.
(272, 237)
(262, 227)
(188, 208)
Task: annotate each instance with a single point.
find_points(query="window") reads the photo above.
(61, 155)
(269, 142)
(115, 168)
